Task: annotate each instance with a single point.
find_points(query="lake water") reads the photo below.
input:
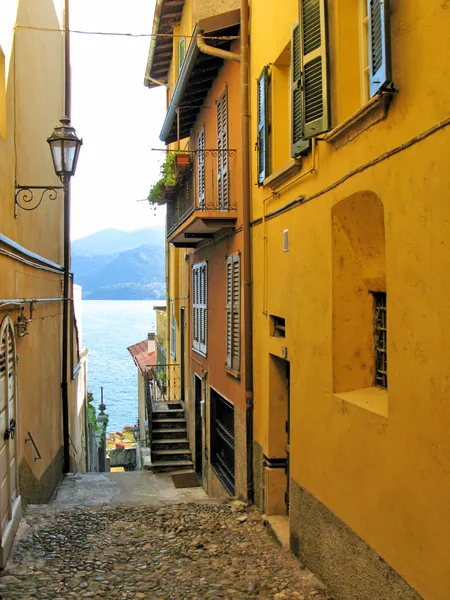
(109, 327)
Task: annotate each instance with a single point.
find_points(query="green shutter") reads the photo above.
(263, 125)
(181, 52)
(314, 67)
(298, 144)
(379, 45)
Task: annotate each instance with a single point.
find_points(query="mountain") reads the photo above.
(107, 272)
(114, 241)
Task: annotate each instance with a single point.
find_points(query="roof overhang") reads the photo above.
(167, 16)
(197, 75)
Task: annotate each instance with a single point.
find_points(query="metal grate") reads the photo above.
(222, 440)
(380, 338)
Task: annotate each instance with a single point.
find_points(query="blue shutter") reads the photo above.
(263, 125)
(379, 45)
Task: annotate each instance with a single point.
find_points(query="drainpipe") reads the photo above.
(246, 246)
(225, 54)
(66, 292)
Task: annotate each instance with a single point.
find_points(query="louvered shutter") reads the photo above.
(314, 67)
(222, 154)
(195, 336)
(298, 144)
(174, 334)
(229, 310)
(201, 169)
(236, 312)
(263, 125)
(379, 45)
(203, 308)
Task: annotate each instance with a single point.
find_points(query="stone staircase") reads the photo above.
(170, 445)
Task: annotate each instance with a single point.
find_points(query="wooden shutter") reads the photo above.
(314, 67)
(233, 334)
(298, 144)
(201, 169)
(263, 125)
(195, 320)
(181, 53)
(379, 45)
(203, 307)
(222, 154)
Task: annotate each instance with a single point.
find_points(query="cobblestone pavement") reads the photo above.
(195, 551)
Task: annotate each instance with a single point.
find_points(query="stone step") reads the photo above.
(159, 466)
(172, 443)
(169, 433)
(171, 454)
(167, 423)
(167, 414)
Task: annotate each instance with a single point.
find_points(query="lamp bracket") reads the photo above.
(29, 197)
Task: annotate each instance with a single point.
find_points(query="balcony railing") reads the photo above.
(201, 190)
(166, 383)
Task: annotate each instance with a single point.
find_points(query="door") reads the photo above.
(288, 434)
(10, 501)
(198, 426)
(182, 363)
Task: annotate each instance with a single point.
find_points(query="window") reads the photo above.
(181, 53)
(222, 154)
(263, 143)
(199, 307)
(173, 337)
(201, 169)
(380, 338)
(233, 311)
(222, 440)
(379, 45)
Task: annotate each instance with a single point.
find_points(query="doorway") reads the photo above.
(277, 460)
(182, 357)
(11, 507)
(198, 426)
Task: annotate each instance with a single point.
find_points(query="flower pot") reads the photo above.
(182, 160)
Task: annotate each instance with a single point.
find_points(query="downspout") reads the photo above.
(66, 242)
(246, 246)
(212, 51)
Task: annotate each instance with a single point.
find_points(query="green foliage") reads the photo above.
(92, 416)
(168, 179)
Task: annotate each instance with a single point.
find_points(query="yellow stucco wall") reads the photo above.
(31, 105)
(379, 461)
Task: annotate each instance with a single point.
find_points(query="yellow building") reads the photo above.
(31, 254)
(351, 226)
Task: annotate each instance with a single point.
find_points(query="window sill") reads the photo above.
(290, 169)
(233, 372)
(372, 399)
(198, 352)
(371, 113)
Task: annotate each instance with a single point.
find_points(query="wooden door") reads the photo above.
(10, 502)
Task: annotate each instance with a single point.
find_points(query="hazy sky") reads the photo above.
(118, 118)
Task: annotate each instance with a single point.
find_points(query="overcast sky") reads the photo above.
(118, 118)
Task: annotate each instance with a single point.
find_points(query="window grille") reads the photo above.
(380, 339)
(222, 440)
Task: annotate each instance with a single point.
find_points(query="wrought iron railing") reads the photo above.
(166, 383)
(200, 188)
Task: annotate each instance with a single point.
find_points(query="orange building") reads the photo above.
(205, 233)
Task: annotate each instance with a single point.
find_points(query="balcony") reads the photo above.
(202, 203)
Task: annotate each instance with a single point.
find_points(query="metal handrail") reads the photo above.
(30, 439)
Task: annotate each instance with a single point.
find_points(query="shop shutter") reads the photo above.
(263, 125)
(379, 45)
(222, 154)
(201, 169)
(298, 144)
(314, 67)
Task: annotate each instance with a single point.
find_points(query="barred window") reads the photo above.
(380, 338)
(222, 440)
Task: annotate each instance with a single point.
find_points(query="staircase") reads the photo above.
(169, 444)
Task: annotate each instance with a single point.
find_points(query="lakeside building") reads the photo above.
(33, 450)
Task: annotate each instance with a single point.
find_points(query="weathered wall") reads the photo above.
(378, 464)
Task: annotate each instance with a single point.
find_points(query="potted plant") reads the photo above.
(182, 160)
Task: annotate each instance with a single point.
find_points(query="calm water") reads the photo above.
(109, 327)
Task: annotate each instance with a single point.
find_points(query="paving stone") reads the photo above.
(180, 552)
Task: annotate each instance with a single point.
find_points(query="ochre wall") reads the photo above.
(380, 465)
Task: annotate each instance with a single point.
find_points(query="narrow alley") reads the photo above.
(162, 543)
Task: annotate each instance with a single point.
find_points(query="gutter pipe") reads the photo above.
(246, 246)
(212, 51)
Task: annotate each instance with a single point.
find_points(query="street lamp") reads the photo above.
(65, 148)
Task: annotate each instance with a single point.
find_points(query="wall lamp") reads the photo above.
(65, 147)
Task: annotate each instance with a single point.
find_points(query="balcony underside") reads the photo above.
(200, 225)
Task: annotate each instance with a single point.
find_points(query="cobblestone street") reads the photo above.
(190, 550)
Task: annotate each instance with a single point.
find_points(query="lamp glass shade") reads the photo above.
(65, 147)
